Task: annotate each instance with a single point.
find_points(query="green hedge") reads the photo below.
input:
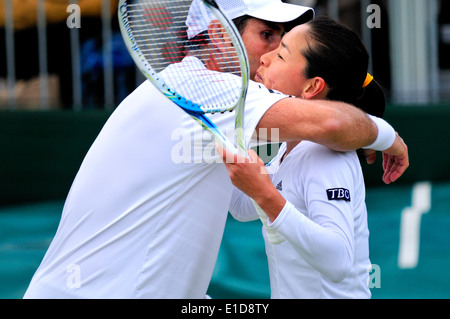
(42, 151)
(426, 131)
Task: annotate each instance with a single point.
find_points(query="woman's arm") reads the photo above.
(251, 177)
(319, 245)
(327, 248)
(241, 207)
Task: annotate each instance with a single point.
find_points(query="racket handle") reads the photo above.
(274, 237)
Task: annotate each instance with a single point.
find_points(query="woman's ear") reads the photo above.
(316, 88)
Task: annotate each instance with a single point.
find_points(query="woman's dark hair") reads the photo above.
(337, 54)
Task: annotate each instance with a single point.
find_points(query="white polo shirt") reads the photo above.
(326, 251)
(146, 212)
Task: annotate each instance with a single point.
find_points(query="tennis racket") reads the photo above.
(165, 50)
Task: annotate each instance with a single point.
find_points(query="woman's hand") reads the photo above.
(248, 174)
(251, 177)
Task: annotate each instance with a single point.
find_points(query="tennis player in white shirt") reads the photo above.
(314, 197)
(138, 224)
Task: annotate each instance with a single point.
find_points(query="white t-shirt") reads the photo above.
(145, 215)
(326, 251)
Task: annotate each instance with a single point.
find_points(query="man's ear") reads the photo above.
(316, 88)
(216, 34)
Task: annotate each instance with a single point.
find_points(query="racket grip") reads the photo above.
(274, 237)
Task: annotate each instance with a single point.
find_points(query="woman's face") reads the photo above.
(283, 69)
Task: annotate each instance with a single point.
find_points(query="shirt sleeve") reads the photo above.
(259, 99)
(322, 248)
(323, 235)
(241, 207)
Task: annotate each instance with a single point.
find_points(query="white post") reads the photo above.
(43, 63)
(108, 63)
(10, 56)
(414, 51)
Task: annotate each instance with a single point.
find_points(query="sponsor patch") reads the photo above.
(339, 194)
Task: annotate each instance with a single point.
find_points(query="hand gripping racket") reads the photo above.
(161, 36)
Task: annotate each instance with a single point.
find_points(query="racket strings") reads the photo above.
(160, 32)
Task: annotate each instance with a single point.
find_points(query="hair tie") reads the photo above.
(368, 80)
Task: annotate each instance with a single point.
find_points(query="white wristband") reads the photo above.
(386, 135)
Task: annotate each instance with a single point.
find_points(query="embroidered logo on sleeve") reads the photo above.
(339, 194)
(280, 186)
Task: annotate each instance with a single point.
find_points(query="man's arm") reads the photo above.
(339, 126)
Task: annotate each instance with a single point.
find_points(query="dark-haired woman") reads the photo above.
(317, 237)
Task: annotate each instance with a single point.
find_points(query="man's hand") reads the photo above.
(395, 160)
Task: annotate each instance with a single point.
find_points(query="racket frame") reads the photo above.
(193, 109)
